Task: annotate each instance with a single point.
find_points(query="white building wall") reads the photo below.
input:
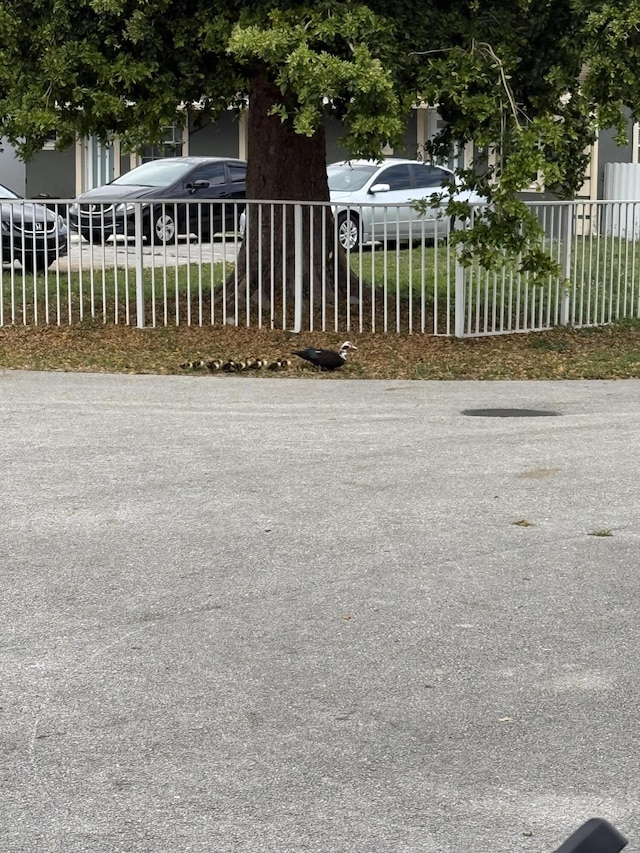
(13, 173)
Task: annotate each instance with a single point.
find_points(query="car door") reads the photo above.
(208, 181)
(397, 212)
(237, 180)
(427, 180)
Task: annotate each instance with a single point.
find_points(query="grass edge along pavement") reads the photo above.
(604, 352)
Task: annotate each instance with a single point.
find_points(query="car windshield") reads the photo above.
(348, 177)
(155, 173)
(5, 192)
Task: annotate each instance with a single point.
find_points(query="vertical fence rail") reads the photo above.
(140, 300)
(564, 295)
(298, 266)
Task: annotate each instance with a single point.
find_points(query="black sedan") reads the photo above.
(29, 232)
(161, 191)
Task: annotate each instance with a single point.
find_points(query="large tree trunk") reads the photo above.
(290, 243)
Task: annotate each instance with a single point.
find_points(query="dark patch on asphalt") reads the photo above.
(510, 413)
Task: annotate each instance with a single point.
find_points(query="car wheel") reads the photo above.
(456, 223)
(205, 231)
(163, 229)
(349, 231)
(93, 235)
(35, 263)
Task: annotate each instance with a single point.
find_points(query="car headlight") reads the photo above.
(130, 206)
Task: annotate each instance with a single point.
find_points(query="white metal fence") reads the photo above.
(306, 266)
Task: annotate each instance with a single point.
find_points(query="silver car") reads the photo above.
(372, 201)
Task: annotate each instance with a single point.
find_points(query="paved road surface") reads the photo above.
(247, 615)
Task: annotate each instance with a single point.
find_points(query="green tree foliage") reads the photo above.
(530, 80)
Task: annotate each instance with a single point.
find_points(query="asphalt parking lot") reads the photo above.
(246, 614)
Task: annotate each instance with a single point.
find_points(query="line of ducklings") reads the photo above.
(239, 366)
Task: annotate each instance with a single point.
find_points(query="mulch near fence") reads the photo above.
(600, 353)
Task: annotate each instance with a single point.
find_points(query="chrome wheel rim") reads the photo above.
(348, 233)
(165, 228)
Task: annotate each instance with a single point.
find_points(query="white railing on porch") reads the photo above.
(401, 281)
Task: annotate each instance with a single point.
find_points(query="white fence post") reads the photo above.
(139, 267)
(297, 268)
(459, 294)
(567, 233)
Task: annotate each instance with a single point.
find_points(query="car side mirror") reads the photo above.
(197, 185)
(380, 188)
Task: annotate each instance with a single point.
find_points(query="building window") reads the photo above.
(50, 141)
(171, 146)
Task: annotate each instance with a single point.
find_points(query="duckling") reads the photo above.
(214, 365)
(198, 364)
(229, 366)
(187, 365)
(280, 364)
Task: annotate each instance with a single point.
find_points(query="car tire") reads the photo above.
(93, 235)
(36, 263)
(164, 229)
(205, 232)
(349, 231)
(457, 223)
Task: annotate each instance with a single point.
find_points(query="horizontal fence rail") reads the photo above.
(306, 266)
